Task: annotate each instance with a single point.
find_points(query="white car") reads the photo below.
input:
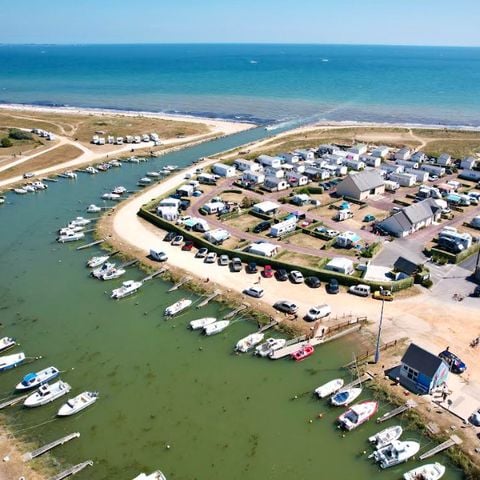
(317, 312)
(360, 290)
(296, 276)
(254, 291)
(475, 418)
(184, 219)
(178, 240)
(211, 257)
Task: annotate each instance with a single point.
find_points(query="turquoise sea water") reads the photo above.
(267, 82)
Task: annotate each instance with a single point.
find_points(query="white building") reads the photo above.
(224, 170)
(263, 249)
(212, 208)
(354, 164)
(371, 161)
(242, 165)
(217, 236)
(403, 154)
(297, 179)
(266, 208)
(421, 176)
(282, 228)
(407, 163)
(361, 185)
(185, 190)
(358, 149)
(403, 179)
(274, 172)
(269, 161)
(381, 152)
(253, 178)
(274, 184)
(468, 163)
(444, 160)
(340, 265)
(434, 170)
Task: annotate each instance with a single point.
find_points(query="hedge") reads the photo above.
(452, 257)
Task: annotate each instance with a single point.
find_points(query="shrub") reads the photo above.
(5, 142)
(427, 283)
(17, 134)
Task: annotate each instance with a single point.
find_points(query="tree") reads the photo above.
(17, 134)
(5, 142)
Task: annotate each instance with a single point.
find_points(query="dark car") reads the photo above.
(236, 265)
(252, 267)
(281, 275)
(169, 236)
(476, 291)
(261, 227)
(187, 246)
(332, 286)
(313, 282)
(453, 362)
(285, 306)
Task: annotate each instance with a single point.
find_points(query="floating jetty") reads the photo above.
(49, 446)
(364, 378)
(72, 470)
(13, 401)
(241, 308)
(397, 411)
(208, 299)
(127, 264)
(91, 244)
(48, 179)
(154, 274)
(453, 440)
(268, 326)
(181, 282)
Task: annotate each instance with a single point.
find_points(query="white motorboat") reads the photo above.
(100, 271)
(70, 228)
(329, 388)
(431, 471)
(70, 174)
(91, 170)
(29, 188)
(20, 191)
(70, 236)
(216, 327)
(80, 221)
(2, 200)
(113, 273)
(202, 322)
(157, 475)
(110, 196)
(38, 185)
(97, 261)
(170, 168)
(133, 160)
(47, 393)
(78, 403)
(128, 288)
(34, 380)
(153, 174)
(395, 453)
(119, 190)
(145, 181)
(6, 343)
(357, 414)
(177, 307)
(11, 361)
(92, 208)
(345, 397)
(386, 436)
(269, 346)
(247, 343)
(115, 163)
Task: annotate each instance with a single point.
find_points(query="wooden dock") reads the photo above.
(72, 470)
(241, 308)
(453, 440)
(364, 378)
(181, 282)
(127, 264)
(208, 299)
(48, 179)
(13, 401)
(154, 274)
(91, 244)
(267, 326)
(397, 411)
(49, 446)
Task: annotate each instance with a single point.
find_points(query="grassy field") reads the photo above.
(300, 259)
(62, 153)
(19, 146)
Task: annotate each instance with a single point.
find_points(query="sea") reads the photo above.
(251, 82)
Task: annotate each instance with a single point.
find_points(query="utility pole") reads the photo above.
(476, 273)
(377, 349)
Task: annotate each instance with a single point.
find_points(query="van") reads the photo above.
(318, 312)
(360, 290)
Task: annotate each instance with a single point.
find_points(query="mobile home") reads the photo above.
(224, 170)
(284, 227)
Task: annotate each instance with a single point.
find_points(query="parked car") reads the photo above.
(313, 282)
(360, 290)
(169, 236)
(178, 240)
(317, 312)
(28, 175)
(252, 267)
(187, 246)
(383, 295)
(296, 276)
(455, 364)
(202, 252)
(267, 271)
(256, 292)
(261, 227)
(333, 286)
(236, 265)
(223, 260)
(211, 257)
(285, 306)
(281, 275)
(476, 291)
(183, 219)
(158, 255)
(475, 418)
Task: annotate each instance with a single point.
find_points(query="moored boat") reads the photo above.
(70, 236)
(216, 327)
(329, 388)
(345, 397)
(80, 221)
(357, 414)
(20, 191)
(202, 322)
(157, 475)
(303, 352)
(70, 228)
(78, 403)
(177, 307)
(92, 208)
(119, 190)
(91, 170)
(11, 361)
(110, 196)
(269, 346)
(38, 185)
(248, 342)
(46, 394)
(145, 181)
(100, 271)
(113, 273)
(431, 471)
(29, 188)
(6, 343)
(97, 261)
(153, 174)
(34, 380)
(128, 287)
(386, 436)
(395, 452)
(70, 174)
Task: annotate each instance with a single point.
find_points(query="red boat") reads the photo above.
(303, 353)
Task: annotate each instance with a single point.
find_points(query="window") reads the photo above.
(410, 373)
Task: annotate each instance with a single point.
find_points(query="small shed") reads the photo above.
(266, 208)
(340, 265)
(263, 249)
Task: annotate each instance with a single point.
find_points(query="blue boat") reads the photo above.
(11, 361)
(33, 380)
(345, 397)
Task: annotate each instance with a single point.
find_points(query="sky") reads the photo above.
(397, 22)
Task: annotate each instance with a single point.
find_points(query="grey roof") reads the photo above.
(367, 180)
(404, 265)
(421, 360)
(420, 211)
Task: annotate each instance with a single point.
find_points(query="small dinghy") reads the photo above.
(78, 403)
(395, 453)
(128, 288)
(216, 327)
(247, 343)
(6, 343)
(345, 397)
(303, 353)
(431, 471)
(357, 414)
(202, 322)
(92, 208)
(269, 346)
(158, 475)
(177, 307)
(386, 436)
(46, 394)
(329, 388)
(110, 196)
(34, 380)
(11, 361)
(95, 262)
(113, 273)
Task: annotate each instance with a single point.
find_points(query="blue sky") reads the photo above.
(414, 22)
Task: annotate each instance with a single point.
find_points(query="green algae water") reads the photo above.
(224, 416)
